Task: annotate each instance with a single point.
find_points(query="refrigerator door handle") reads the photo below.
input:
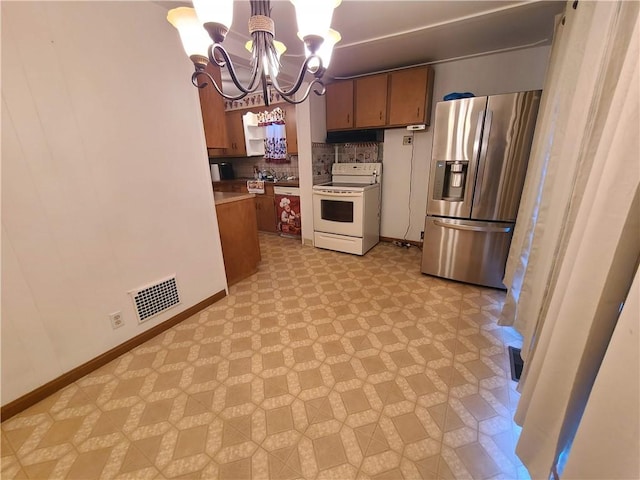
(472, 228)
(478, 136)
(483, 156)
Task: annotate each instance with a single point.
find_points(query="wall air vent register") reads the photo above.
(156, 298)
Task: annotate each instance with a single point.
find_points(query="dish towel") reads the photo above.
(255, 186)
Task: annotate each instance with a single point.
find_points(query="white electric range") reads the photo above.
(346, 212)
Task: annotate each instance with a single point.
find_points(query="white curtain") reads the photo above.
(608, 439)
(275, 141)
(576, 245)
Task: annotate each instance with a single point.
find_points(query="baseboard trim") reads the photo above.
(22, 403)
(391, 240)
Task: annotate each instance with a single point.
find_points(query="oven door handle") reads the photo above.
(325, 193)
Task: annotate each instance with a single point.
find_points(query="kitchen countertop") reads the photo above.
(226, 197)
(279, 183)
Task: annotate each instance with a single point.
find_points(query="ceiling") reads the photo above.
(385, 34)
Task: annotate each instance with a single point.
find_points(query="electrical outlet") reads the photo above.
(407, 140)
(116, 320)
(421, 235)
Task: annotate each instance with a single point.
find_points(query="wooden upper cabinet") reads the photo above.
(212, 106)
(394, 99)
(235, 134)
(236, 145)
(410, 93)
(371, 101)
(339, 97)
(291, 128)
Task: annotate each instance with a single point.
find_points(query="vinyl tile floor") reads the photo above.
(321, 365)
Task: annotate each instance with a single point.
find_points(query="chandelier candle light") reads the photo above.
(214, 17)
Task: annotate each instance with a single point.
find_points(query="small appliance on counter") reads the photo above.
(215, 172)
(226, 171)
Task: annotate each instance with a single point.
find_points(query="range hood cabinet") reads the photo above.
(355, 136)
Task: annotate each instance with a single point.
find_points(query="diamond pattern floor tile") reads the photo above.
(321, 365)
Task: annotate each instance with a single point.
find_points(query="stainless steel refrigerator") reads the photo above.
(479, 161)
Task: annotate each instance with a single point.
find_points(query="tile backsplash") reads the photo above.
(367, 152)
(325, 155)
(244, 167)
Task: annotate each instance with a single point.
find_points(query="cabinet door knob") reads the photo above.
(348, 118)
(380, 115)
(418, 113)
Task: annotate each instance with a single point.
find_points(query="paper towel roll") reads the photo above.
(215, 172)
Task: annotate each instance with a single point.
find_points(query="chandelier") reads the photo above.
(210, 20)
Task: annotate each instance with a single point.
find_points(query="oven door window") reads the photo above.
(337, 210)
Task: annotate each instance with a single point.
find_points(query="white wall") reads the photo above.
(311, 123)
(407, 165)
(607, 442)
(105, 181)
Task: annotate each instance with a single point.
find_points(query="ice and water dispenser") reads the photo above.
(450, 180)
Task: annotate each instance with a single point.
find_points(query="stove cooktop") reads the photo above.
(346, 186)
(363, 169)
(353, 176)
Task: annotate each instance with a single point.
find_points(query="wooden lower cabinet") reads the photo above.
(265, 206)
(239, 238)
(266, 213)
